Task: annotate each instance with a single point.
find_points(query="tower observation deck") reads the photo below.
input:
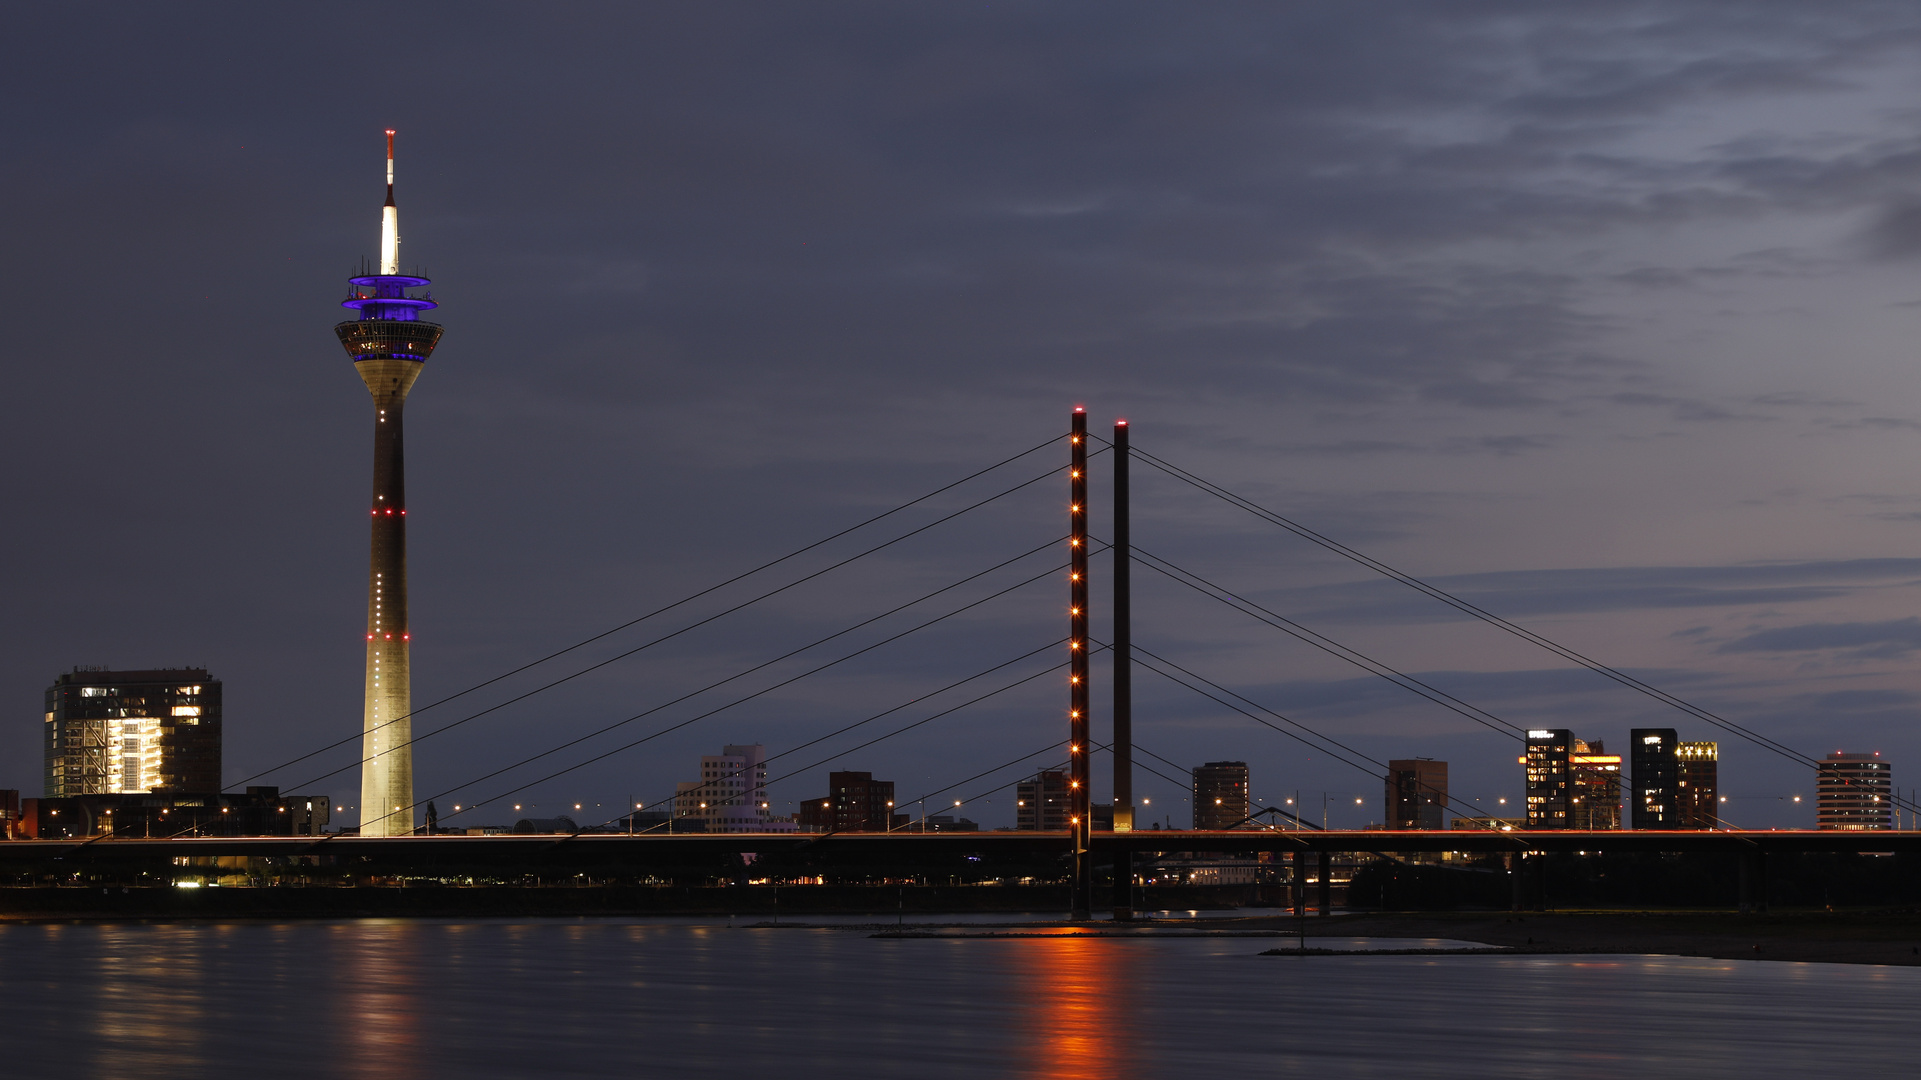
(389, 343)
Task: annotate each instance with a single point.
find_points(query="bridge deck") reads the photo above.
(616, 846)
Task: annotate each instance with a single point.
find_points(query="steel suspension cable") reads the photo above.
(692, 626)
(738, 701)
(1505, 625)
(689, 598)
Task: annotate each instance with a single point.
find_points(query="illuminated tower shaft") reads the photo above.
(1079, 805)
(389, 344)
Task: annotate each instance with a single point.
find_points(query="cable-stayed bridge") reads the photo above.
(1065, 658)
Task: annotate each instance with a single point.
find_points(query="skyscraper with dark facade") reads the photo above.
(1220, 795)
(113, 732)
(389, 344)
(855, 802)
(1416, 793)
(1654, 764)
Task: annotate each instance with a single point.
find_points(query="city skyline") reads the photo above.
(1609, 331)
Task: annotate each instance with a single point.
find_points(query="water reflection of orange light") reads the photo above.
(1079, 1020)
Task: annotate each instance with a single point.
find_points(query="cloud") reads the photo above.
(1864, 640)
(1571, 591)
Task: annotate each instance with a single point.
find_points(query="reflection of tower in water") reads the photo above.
(1078, 1016)
(380, 1016)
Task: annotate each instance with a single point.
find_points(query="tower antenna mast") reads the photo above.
(390, 219)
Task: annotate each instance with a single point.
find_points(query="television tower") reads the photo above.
(389, 343)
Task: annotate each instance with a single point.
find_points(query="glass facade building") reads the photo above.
(128, 732)
(1596, 784)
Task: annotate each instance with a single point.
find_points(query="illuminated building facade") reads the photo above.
(389, 343)
(1654, 756)
(855, 802)
(1853, 792)
(113, 732)
(731, 794)
(1548, 786)
(1595, 780)
(1416, 793)
(1220, 795)
(1698, 784)
(1041, 804)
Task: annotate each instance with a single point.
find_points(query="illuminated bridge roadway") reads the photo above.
(621, 847)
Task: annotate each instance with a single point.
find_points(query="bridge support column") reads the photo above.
(1326, 890)
(1514, 866)
(1298, 893)
(1080, 813)
(1123, 743)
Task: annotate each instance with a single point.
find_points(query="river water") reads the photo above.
(593, 998)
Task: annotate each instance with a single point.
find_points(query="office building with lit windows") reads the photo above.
(1654, 755)
(855, 802)
(1853, 791)
(1595, 780)
(1698, 784)
(120, 732)
(1040, 803)
(1548, 788)
(1220, 795)
(730, 796)
(1416, 793)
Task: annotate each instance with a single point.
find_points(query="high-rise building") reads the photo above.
(389, 344)
(113, 732)
(1220, 795)
(731, 794)
(1853, 791)
(1548, 787)
(1041, 804)
(1595, 780)
(855, 802)
(1697, 786)
(1655, 766)
(1416, 793)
